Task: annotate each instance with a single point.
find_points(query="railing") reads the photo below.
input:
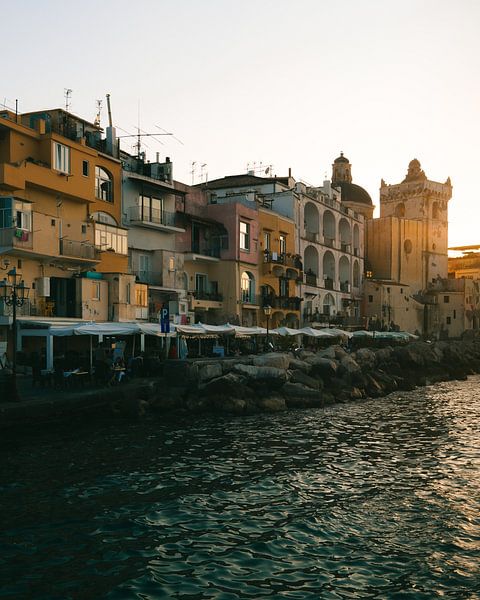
(79, 249)
(328, 283)
(155, 216)
(205, 250)
(280, 258)
(328, 241)
(356, 251)
(310, 278)
(210, 296)
(282, 302)
(16, 238)
(344, 286)
(22, 311)
(248, 298)
(311, 236)
(150, 277)
(344, 247)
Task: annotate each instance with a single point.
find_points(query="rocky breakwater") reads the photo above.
(277, 381)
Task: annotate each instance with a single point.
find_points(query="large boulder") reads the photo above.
(365, 358)
(300, 365)
(349, 367)
(272, 404)
(231, 384)
(298, 376)
(272, 359)
(298, 395)
(272, 376)
(324, 368)
(209, 371)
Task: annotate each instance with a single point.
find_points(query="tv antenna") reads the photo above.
(99, 110)
(139, 135)
(68, 98)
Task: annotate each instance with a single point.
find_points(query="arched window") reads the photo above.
(103, 217)
(103, 185)
(247, 287)
(400, 210)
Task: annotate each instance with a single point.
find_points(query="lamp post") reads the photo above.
(14, 292)
(268, 311)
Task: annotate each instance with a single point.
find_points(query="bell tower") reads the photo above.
(341, 170)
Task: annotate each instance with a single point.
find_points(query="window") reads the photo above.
(61, 158)
(85, 168)
(454, 314)
(282, 244)
(370, 298)
(141, 295)
(103, 185)
(267, 240)
(171, 263)
(247, 288)
(446, 299)
(108, 237)
(152, 209)
(144, 267)
(15, 213)
(95, 290)
(201, 283)
(283, 287)
(449, 320)
(128, 293)
(244, 236)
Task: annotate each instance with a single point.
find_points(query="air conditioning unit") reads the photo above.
(182, 308)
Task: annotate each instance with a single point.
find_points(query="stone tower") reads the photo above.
(353, 196)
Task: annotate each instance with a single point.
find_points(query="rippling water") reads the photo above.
(375, 499)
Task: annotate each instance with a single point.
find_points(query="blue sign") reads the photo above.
(165, 320)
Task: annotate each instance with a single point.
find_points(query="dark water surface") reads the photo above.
(375, 499)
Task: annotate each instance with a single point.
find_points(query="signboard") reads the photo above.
(165, 319)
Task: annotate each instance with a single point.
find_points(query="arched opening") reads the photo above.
(400, 210)
(328, 228)
(328, 270)
(247, 285)
(344, 274)
(311, 265)
(103, 217)
(328, 305)
(356, 240)
(345, 235)
(268, 295)
(356, 274)
(311, 221)
(103, 185)
(291, 320)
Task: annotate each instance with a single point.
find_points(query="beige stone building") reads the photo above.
(407, 252)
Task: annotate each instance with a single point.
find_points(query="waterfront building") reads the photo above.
(407, 253)
(60, 217)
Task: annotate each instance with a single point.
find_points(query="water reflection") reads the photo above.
(368, 500)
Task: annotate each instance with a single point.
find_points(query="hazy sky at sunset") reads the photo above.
(287, 83)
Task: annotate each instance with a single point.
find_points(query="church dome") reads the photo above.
(341, 159)
(354, 193)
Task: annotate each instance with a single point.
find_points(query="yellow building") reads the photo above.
(60, 211)
(280, 269)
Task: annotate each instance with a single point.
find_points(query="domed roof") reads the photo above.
(341, 159)
(354, 193)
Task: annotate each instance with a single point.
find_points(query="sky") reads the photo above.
(286, 83)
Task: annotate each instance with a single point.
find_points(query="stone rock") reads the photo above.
(272, 404)
(209, 371)
(383, 356)
(300, 365)
(228, 404)
(298, 390)
(298, 376)
(326, 353)
(273, 376)
(322, 367)
(340, 352)
(349, 366)
(272, 359)
(365, 358)
(228, 384)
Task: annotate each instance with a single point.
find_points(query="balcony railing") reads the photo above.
(248, 298)
(344, 286)
(22, 311)
(311, 279)
(209, 296)
(79, 250)
(281, 258)
(344, 247)
(154, 216)
(328, 283)
(205, 250)
(282, 302)
(311, 236)
(328, 241)
(13, 237)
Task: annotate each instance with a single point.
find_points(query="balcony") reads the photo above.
(345, 286)
(13, 238)
(311, 279)
(81, 251)
(311, 236)
(282, 302)
(344, 247)
(328, 283)
(153, 219)
(203, 253)
(205, 300)
(328, 241)
(249, 300)
(25, 310)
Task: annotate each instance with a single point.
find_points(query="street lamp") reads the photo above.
(268, 311)
(14, 292)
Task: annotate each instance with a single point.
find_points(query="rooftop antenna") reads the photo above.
(99, 110)
(68, 97)
(193, 171)
(204, 172)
